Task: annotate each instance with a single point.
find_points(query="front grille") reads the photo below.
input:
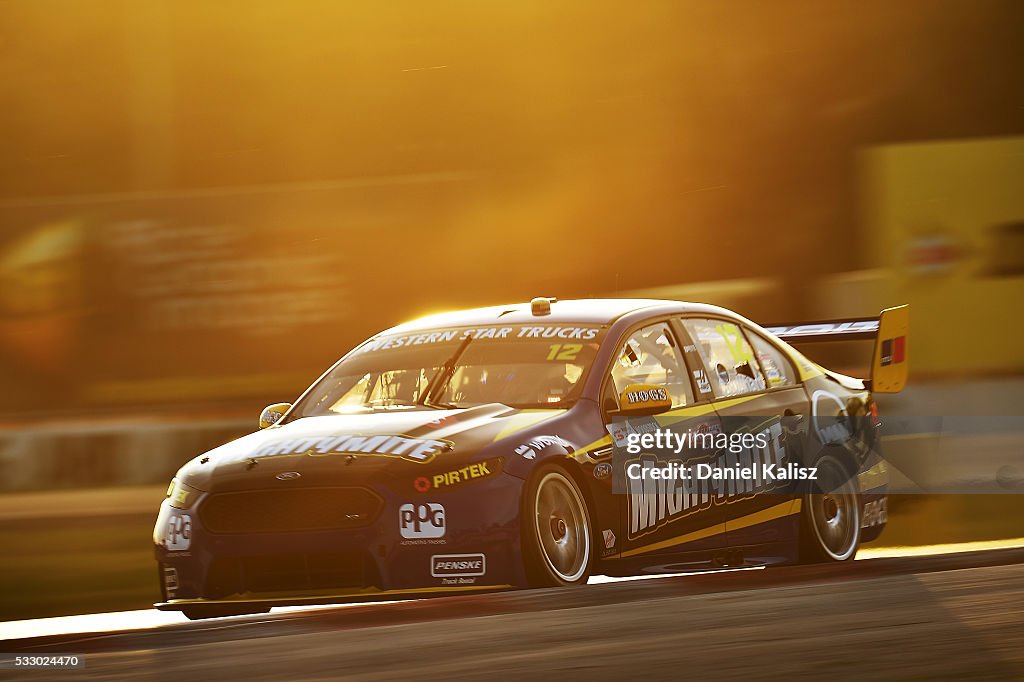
(287, 572)
(297, 509)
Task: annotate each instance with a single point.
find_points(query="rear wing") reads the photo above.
(890, 331)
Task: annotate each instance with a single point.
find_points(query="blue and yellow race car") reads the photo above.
(538, 444)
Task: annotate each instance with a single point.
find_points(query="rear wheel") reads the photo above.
(831, 514)
(557, 535)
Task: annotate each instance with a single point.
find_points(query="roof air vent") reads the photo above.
(542, 305)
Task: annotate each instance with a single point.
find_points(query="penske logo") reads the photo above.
(457, 565)
(456, 477)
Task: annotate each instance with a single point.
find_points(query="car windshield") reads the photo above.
(522, 366)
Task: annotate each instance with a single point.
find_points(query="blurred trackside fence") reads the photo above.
(83, 454)
(77, 455)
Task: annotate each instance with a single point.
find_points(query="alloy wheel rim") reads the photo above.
(834, 512)
(562, 527)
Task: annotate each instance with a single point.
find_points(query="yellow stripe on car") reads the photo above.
(525, 419)
(787, 508)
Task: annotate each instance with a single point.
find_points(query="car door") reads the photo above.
(756, 390)
(665, 516)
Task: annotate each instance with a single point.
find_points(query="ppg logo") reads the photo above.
(179, 532)
(425, 520)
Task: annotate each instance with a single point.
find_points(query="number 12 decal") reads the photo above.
(564, 351)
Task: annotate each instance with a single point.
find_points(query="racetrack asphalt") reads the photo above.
(951, 616)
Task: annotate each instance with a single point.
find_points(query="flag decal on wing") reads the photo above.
(894, 350)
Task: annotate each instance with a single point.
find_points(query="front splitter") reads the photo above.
(306, 599)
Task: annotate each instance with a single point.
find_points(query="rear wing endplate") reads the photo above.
(890, 331)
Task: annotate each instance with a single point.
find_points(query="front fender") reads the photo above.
(525, 456)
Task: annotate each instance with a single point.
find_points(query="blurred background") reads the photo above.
(204, 204)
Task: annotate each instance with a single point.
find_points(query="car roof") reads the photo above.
(601, 311)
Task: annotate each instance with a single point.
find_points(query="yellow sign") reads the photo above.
(945, 225)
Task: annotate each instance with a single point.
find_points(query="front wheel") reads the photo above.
(557, 536)
(831, 514)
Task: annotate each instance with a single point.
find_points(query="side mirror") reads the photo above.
(644, 400)
(272, 414)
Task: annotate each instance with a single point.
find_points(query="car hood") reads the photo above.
(357, 449)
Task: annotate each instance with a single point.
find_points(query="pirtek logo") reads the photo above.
(448, 479)
(452, 565)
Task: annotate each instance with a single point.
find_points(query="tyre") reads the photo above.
(831, 514)
(218, 611)
(558, 539)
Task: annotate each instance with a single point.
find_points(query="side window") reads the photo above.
(650, 356)
(732, 368)
(778, 370)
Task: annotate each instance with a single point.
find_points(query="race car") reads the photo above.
(517, 446)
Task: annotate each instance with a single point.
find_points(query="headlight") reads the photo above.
(181, 496)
